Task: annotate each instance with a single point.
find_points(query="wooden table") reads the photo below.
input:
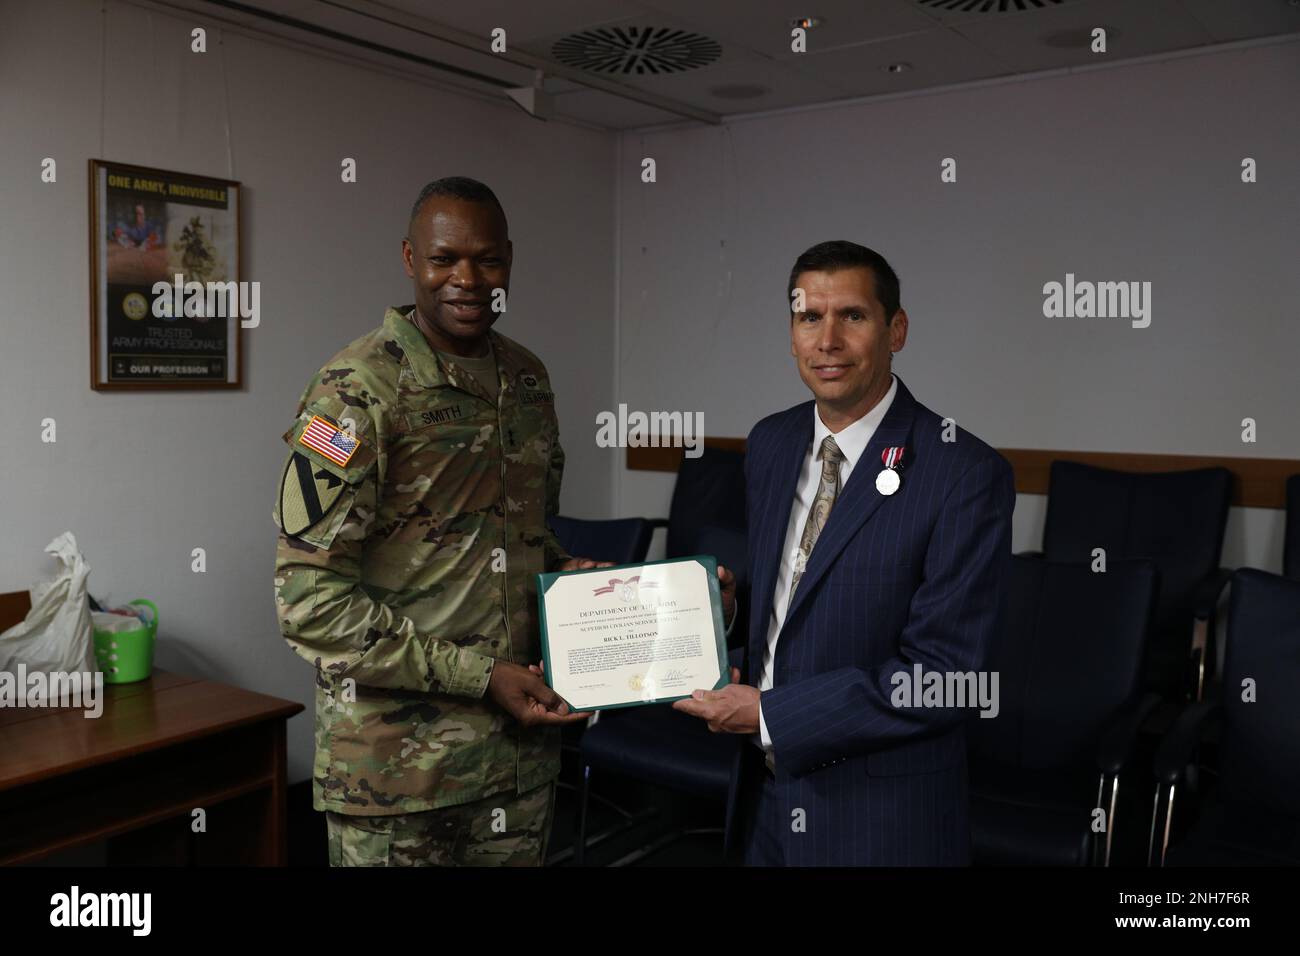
(161, 748)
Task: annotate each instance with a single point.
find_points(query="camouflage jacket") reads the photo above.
(412, 514)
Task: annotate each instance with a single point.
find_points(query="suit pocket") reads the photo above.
(923, 756)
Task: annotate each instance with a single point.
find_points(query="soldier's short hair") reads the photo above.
(841, 254)
(458, 187)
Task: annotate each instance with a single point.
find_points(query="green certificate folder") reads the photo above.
(633, 634)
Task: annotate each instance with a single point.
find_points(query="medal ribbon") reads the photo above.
(892, 456)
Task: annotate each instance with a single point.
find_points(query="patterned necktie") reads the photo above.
(827, 489)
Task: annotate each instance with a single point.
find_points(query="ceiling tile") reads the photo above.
(937, 57)
(735, 67)
(847, 53)
(714, 87)
(946, 11)
(765, 25)
(1243, 19)
(522, 21)
(1134, 29)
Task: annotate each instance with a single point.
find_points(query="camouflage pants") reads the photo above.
(502, 830)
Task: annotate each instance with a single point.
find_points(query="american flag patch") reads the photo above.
(325, 437)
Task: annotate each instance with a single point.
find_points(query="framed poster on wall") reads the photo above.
(166, 296)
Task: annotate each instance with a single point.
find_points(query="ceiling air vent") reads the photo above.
(636, 50)
(988, 6)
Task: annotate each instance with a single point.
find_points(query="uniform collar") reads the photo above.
(424, 364)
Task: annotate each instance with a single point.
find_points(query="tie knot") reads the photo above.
(831, 451)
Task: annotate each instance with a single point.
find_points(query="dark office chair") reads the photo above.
(621, 540)
(1291, 542)
(656, 743)
(660, 746)
(710, 491)
(1252, 816)
(1069, 690)
(1176, 519)
(730, 547)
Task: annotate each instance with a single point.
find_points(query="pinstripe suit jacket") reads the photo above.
(916, 577)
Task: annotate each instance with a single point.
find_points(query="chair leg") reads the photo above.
(1110, 822)
(1155, 812)
(1094, 843)
(580, 842)
(1200, 648)
(1169, 819)
(1167, 829)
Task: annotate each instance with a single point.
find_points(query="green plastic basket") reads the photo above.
(127, 656)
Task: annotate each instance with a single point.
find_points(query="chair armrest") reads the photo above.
(1117, 738)
(1205, 599)
(1175, 750)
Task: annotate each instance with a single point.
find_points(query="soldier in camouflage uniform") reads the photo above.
(422, 467)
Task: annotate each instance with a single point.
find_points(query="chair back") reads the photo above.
(710, 490)
(1261, 693)
(1175, 519)
(621, 540)
(1068, 658)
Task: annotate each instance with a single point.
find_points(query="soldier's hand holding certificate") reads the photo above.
(633, 634)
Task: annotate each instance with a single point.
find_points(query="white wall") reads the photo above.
(1130, 173)
(142, 478)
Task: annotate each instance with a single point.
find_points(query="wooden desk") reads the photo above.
(161, 748)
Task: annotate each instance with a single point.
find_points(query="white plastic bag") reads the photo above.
(57, 634)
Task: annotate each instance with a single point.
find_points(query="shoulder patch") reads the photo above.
(334, 437)
(323, 436)
(307, 494)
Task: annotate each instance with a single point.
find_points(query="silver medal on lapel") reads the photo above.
(888, 481)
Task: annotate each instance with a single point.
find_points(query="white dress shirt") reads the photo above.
(852, 441)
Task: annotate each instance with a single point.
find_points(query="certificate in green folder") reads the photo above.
(633, 634)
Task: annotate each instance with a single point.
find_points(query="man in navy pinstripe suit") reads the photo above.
(879, 548)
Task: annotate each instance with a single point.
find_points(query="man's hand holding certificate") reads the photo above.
(634, 634)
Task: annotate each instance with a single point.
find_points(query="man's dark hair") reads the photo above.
(458, 187)
(840, 254)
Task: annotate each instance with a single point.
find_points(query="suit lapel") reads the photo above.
(787, 461)
(858, 499)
